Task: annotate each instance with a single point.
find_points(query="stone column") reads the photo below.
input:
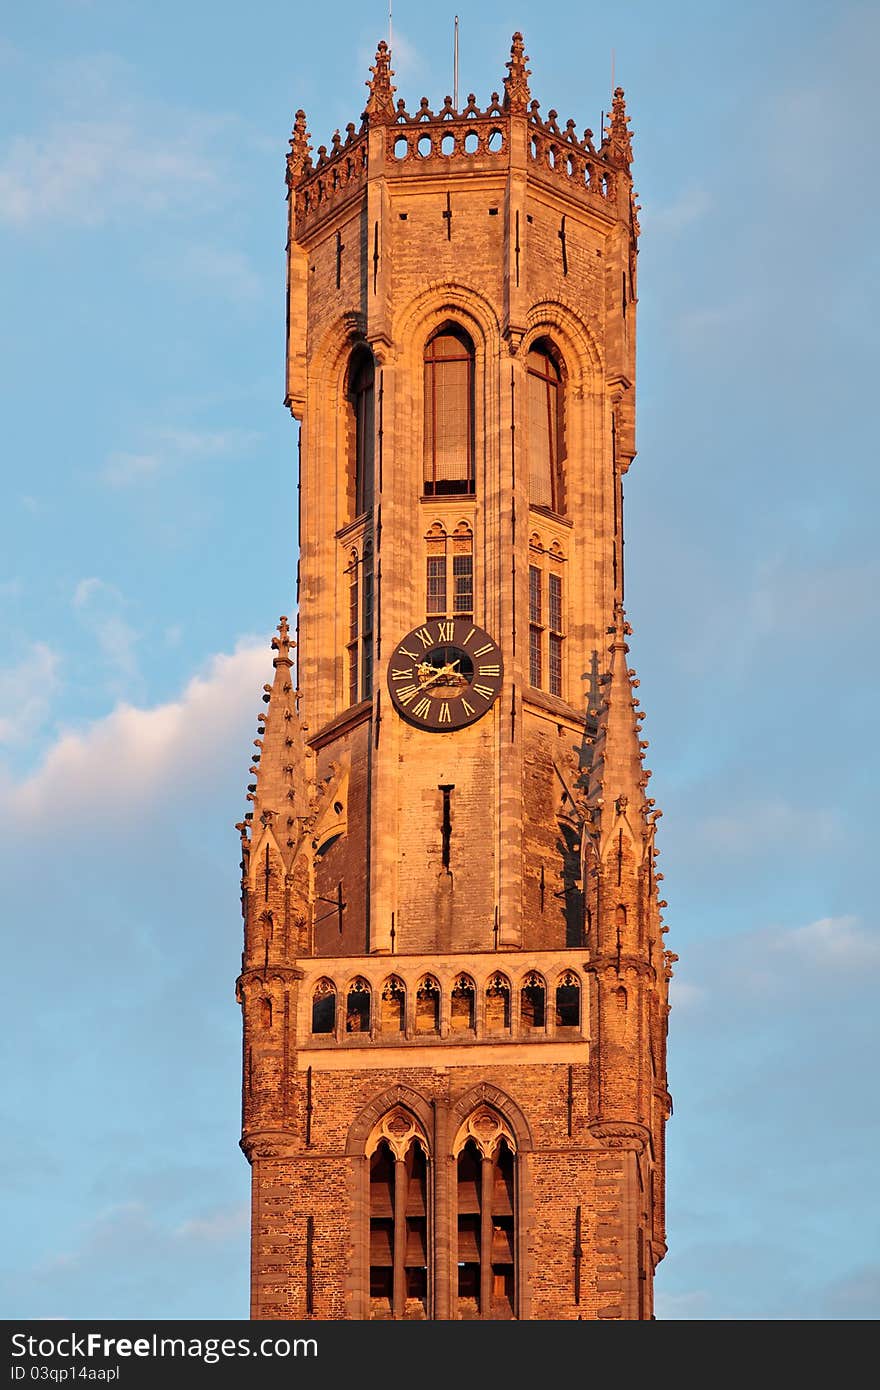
(488, 1179)
(398, 1306)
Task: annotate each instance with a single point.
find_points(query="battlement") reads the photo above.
(472, 140)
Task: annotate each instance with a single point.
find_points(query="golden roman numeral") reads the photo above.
(445, 631)
(468, 709)
(485, 690)
(400, 673)
(404, 651)
(469, 636)
(424, 637)
(481, 651)
(445, 716)
(423, 708)
(407, 693)
(485, 670)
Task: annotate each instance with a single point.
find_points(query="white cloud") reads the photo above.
(219, 1225)
(101, 169)
(134, 757)
(100, 607)
(122, 469)
(681, 1306)
(690, 206)
(832, 943)
(765, 824)
(105, 152)
(223, 272)
(26, 692)
(168, 448)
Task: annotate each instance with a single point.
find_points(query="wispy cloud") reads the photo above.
(168, 448)
(106, 152)
(100, 607)
(690, 206)
(219, 1225)
(26, 692)
(758, 826)
(221, 271)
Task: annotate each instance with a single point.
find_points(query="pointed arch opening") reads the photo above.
(398, 1154)
(498, 1004)
(532, 1002)
(462, 1014)
(448, 453)
(357, 1006)
(545, 385)
(428, 1005)
(324, 1007)
(486, 1217)
(392, 1013)
(568, 1000)
(362, 430)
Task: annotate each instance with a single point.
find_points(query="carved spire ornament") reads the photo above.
(298, 160)
(516, 83)
(380, 105)
(620, 140)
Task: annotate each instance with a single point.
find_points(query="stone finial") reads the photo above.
(617, 775)
(620, 139)
(298, 160)
(282, 644)
(380, 106)
(516, 83)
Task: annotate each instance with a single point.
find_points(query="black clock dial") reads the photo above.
(445, 674)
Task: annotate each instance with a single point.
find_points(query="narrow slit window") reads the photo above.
(554, 649)
(362, 397)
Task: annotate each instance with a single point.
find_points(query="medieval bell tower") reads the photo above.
(454, 982)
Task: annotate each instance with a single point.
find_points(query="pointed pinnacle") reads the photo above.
(298, 160)
(380, 104)
(516, 83)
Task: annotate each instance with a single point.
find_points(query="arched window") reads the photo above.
(462, 1004)
(498, 1004)
(357, 1007)
(393, 1009)
(428, 1005)
(449, 591)
(532, 1001)
(324, 1007)
(361, 394)
(398, 1256)
(449, 413)
(486, 1217)
(568, 1000)
(545, 428)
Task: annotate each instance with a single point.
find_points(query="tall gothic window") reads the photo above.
(486, 1218)
(545, 429)
(449, 413)
(359, 647)
(398, 1255)
(362, 397)
(449, 588)
(546, 616)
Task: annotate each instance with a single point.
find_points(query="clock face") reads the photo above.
(446, 674)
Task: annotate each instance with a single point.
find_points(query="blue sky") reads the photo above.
(148, 546)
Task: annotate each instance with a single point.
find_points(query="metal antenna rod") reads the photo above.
(455, 67)
(389, 22)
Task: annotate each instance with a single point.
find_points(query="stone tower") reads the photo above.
(454, 982)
